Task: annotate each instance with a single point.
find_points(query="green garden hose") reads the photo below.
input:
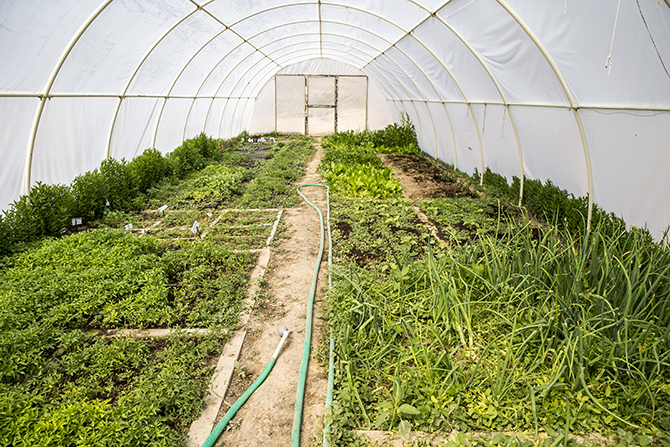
(214, 435)
(300, 394)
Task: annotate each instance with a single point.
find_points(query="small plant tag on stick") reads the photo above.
(162, 208)
(194, 228)
(128, 227)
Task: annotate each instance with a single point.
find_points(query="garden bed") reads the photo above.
(60, 380)
(526, 332)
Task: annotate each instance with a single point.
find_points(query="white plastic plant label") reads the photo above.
(76, 221)
(209, 214)
(194, 228)
(128, 227)
(162, 208)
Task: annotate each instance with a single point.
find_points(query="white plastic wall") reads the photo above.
(577, 92)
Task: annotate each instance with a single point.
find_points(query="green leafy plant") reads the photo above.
(148, 169)
(215, 183)
(516, 331)
(350, 155)
(273, 185)
(463, 219)
(362, 181)
(193, 154)
(119, 392)
(45, 211)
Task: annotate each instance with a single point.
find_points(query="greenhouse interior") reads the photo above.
(335, 223)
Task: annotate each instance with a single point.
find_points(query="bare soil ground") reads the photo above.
(421, 178)
(267, 417)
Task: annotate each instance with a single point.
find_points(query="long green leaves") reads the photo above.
(530, 329)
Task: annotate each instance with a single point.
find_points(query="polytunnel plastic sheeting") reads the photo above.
(392, 74)
(501, 151)
(33, 36)
(134, 127)
(84, 134)
(237, 77)
(84, 80)
(321, 121)
(401, 14)
(235, 11)
(237, 110)
(356, 37)
(269, 35)
(264, 107)
(420, 87)
(384, 29)
(321, 91)
(352, 103)
(233, 114)
(429, 134)
(197, 115)
(455, 56)
(158, 72)
(424, 129)
(213, 123)
(15, 114)
(639, 39)
(445, 135)
(221, 71)
(362, 49)
(106, 55)
(167, 135)
(558, 154)
(255, 84)
(319, 67)
(631, 161)
(429, 71)
(255, 24)
(467, 156)
(221, 48)
(518, 64)
(290, 104)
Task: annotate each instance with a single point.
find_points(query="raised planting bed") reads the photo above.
(240, 178)
(460, 220)
(518, 334)
(252, 237)
(109, 278)
(505, 335)
(64, 379)
(85, 390)
(372, 232)
(272, 187)
(428, 178)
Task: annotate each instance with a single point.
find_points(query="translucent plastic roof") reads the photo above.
(576, 91)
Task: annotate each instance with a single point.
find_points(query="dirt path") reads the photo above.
(267, 417)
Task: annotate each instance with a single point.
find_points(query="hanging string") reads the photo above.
(565, 8)
(652, 37)
(484, 121)
(608, 64)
